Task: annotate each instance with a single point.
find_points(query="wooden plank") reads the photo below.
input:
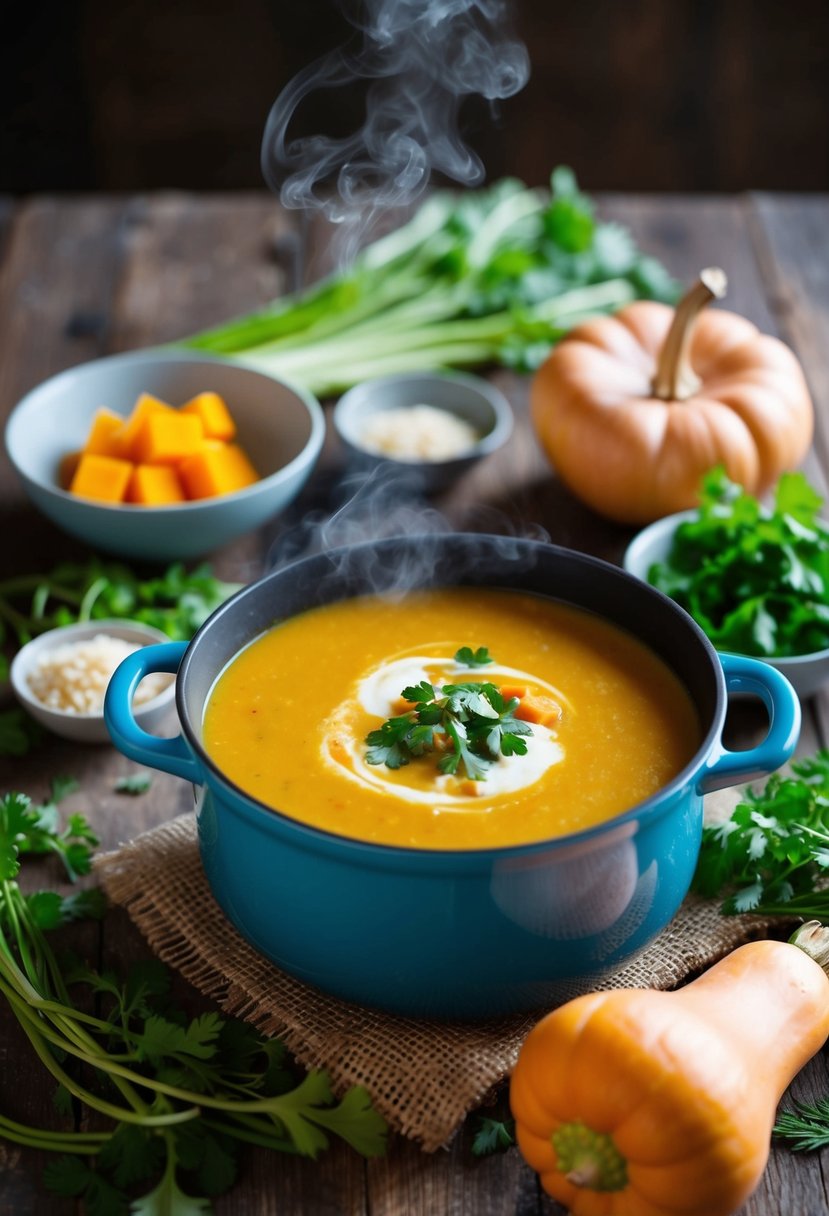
(790, 239)
(789, 234)
(57, 279)
(192, 262)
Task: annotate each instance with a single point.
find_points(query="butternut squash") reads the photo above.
(105, 435)
(145, 405)
(159, 455)
(155, 485)
(641, 1103)
(216, 470)
(101, 477)
(167, 438)
(213, 414)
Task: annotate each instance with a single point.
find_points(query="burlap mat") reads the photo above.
(423, 1076)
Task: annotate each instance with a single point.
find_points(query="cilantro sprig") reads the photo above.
(173, 1097)
(771, 856)
(470, 724)
(756, 580)
(492, 1136)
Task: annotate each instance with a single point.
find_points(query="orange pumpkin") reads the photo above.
(633, 409)
(640, 1103)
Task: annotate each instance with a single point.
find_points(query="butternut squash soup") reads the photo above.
(449, 719)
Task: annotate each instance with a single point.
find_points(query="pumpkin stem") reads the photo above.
(813, 939)
(675, 379)
(589, 1159)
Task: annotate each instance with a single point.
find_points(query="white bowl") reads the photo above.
(86, 728)
(469, 398)
(281, 427)
(807, 672)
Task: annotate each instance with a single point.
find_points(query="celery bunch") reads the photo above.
(490, 276)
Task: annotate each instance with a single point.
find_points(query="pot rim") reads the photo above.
(657, 804)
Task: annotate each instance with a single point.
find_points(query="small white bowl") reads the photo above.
(280, 427)
(469, 398)
(86, 728)
(806, 673)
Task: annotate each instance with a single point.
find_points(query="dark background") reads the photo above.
(695, 95)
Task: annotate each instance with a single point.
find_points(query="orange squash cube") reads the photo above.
(101, 477)
(104, 438)
(544, 711)
(166, 437)
(145, 406)
(214, 414)
(155, 485)
(216, 470)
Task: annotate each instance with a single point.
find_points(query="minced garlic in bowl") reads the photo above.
(417, 432)
(61, 677)
(73, 677)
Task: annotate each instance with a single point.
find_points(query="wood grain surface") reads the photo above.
(84, 277)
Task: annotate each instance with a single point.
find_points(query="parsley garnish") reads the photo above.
(756, 581)
(772, 853)
(473, 724)
(492, 1136)
(133, 783)
(468, 657)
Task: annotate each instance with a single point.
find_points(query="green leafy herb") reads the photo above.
(756, 580)
(178, 1094)
(805, 1127)
(473, 658)
(495, 275)
(177, 602)
(492, 1136)
(18, 732)
(133, 783)
(470, 724)
(772, 854)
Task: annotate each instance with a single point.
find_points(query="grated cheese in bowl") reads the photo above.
(73, 676)
(417, 432)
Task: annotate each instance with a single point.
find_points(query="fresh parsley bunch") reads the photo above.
(177, 602)
(756, 580)
(771, 856)
(179, 1095)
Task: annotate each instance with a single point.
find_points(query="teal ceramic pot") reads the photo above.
(453, 934)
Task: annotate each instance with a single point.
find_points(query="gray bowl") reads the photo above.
(282, 428)
(469, 398)
(807, 673)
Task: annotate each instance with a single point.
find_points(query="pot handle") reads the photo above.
(169, 755)
(745, 675)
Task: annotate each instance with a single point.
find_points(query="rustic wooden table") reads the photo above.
(83, 277)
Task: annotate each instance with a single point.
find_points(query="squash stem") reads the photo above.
(813, 939)
(675, 379)
(589, 1159)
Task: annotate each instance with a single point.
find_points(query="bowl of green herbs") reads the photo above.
(754, 577)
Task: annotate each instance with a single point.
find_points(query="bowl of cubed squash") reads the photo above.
(163, 455)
